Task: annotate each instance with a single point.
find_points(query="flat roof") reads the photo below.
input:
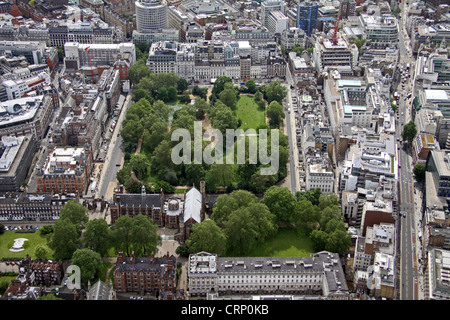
(436, 95)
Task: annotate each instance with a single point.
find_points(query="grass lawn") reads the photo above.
(7, 241)
(247, 110)
(287, 243)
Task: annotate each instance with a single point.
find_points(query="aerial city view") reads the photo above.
(224, 150)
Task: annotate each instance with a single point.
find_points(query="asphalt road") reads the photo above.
(291, 132)
(406, 180)
(115, 153)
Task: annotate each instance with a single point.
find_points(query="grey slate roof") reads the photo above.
(144, 264)
(99, 291)
(140, 200)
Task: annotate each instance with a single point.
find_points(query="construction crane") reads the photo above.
(336, 29)
(89, 55)
(90, 62)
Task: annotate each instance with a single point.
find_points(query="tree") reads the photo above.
(89, 262)
(228, 97)
(138, 71)
(409, 131)
(182, 85)
(182, 251)
(298, 49)
(260, 183)
(219, 85)
(319, 239)
(312, 195)
(306, 216)
(121, 234)
(328, 200)
(201, 107)
(251, 86)
(281, 202)
(97, 236)
(275, 114)
(49, 296)
(227, 203)
(172, 93)
(131, 131)
(222, 117)
(195, 173)
(140, 165)
(419, 172)
(163, 94)
(164, 186)
(61, 53)
(338, 241)
(206, 236)
(139, 94)
(144, 235)
(331, 213)
(220, 175)
(76, 213)
(162, 158)
(161, 110)
(248, 226)
(40, 252)
(65, 239)
(275, 92)
(47, 229)
(200, 92)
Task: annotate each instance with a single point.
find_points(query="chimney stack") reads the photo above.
(132, 259)
(120, 257)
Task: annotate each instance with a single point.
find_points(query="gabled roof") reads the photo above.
(193, 205)
(99, 291)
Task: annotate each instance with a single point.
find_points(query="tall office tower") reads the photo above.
(307, 16)
(347, 8)
(151, 15)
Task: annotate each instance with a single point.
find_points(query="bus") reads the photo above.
(396, 95)
(93, 185)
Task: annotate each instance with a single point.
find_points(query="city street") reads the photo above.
(408, 255)
(291, 132)
(114, 157)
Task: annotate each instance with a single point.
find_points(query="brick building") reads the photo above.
(145, 274)
(43, 272)
(149, 205)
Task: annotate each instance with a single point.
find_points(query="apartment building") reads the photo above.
(319, 274)
(66, 170)
(32, 206)
(153, 275)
